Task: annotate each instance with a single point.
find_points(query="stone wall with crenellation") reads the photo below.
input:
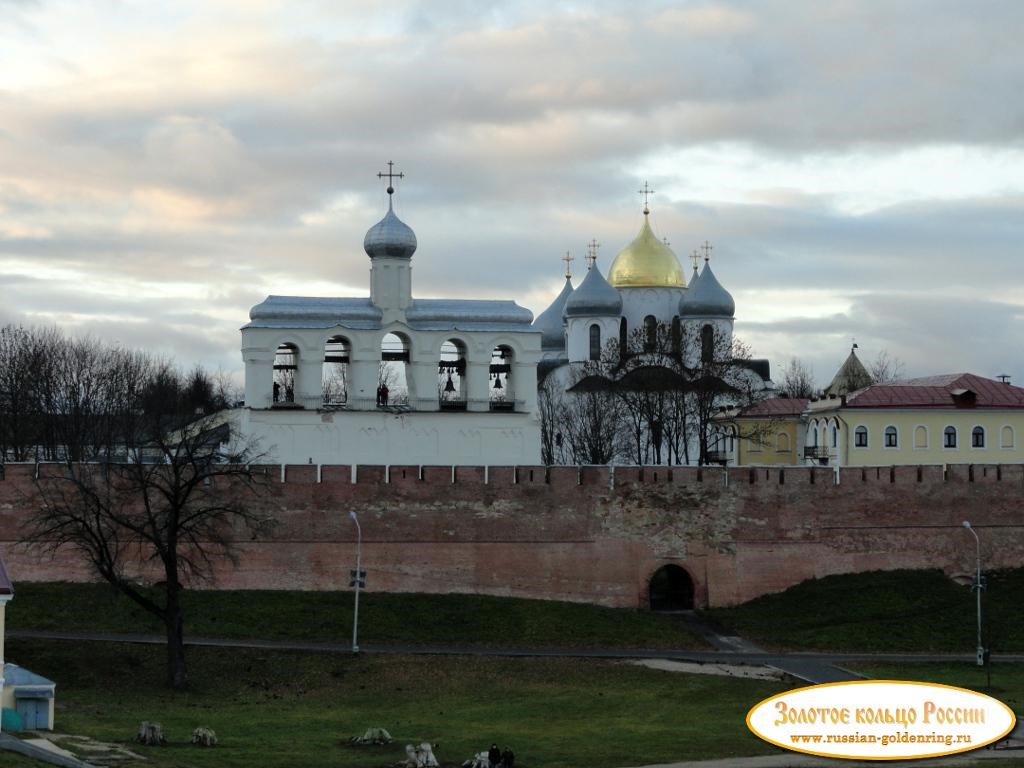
(593, 534)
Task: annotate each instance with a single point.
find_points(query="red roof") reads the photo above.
(949, 390)
(777, 406)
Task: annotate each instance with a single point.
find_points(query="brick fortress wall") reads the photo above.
(596, 534)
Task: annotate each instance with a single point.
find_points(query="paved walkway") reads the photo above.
(808, 670)
(758, 657)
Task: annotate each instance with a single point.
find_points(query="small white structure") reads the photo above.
(31, 696)
(391, 379)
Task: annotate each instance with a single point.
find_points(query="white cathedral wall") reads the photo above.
(579, 335)
(692, 330)
(383, 437)
(638, 303)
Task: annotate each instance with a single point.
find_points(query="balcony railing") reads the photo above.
(717, 457)
(817, 452)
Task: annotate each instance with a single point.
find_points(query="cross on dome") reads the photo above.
(592, 247)
(695, 258)
(707, 248)
(646, 192)
(568, 259)
(391, 176)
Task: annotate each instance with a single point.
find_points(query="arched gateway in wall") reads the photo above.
(671, 589)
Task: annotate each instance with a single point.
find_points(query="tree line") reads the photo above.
(147, 481)
(80, 399)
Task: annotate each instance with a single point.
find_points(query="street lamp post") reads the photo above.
(977, 589)
(357, 581)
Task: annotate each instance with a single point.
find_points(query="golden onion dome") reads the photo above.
(646, 263)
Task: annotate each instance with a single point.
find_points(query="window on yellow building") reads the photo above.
(860, 437)
(921, 437)
(1007, 437)
(978, 437)
(782, 442)
(949, 437)
(892, 437)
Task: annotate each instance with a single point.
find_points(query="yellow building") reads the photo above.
(950, 419)
(767, 432)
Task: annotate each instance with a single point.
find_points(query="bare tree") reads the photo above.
(24, 354)
(797, 380)
(658, 395)
(593, 417)
(145, 485)
(885, 368)
(551, 405)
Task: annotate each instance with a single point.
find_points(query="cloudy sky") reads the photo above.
(858, 166)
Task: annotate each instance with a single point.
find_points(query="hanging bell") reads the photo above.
(449, 386)
(497, 381)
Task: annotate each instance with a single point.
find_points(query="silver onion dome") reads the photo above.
(550, 322)
(594, 298)
(707, 298)
(390, 237)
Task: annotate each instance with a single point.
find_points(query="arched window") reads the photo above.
(393, 383)
(502, 393)
(595, 342)
(334, 379)
(949, 437)
(860, 437)
(835, 436)
(892, 437)
(1006, 440)
(623, 329)
(707, 344)
(978, 437)
(650, 333)
(451, 376)
(286, 369)
(920, 437)
(782, 442)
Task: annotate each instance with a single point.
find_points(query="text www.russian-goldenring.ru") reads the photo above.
(885, 740)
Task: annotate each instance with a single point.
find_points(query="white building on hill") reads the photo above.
(391, 379)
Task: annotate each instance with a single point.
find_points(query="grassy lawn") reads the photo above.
(327, 616)
(297, 709)
(898, 611)
(1007, 679)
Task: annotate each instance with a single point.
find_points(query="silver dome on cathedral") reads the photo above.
(550, 322)
(390, 237)
(594, 298)
(706, 297)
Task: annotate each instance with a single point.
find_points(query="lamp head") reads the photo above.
(352, 514)
(967, 523)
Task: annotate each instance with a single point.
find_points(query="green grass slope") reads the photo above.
(327, 617)
(292, 710)
(884, 611)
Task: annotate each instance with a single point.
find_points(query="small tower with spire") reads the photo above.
(390, 244)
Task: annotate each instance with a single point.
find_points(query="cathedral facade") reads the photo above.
(644, 342)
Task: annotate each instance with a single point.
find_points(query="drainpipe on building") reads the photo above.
(844, 446)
